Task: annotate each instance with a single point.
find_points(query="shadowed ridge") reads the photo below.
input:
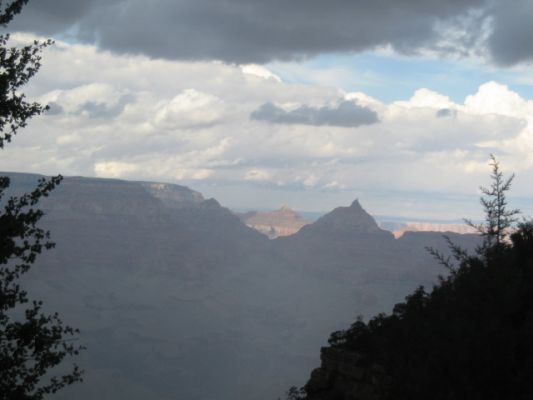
(351, 219)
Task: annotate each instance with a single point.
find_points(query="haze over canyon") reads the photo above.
(177, 298)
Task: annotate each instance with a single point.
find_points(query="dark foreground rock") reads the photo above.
(339, 378)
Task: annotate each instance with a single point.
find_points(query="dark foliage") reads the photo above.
(17, 66)
(32, 342)
(471, 336)
(295, 393)
(498, 218)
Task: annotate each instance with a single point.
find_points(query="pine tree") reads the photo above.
(498, 218)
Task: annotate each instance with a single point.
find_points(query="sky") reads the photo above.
(304, 103)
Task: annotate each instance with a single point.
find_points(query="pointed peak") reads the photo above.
(355, 204)
(212, 202)
(353, 218)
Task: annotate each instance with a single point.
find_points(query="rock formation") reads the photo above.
(273, 224)
(352, 219)
(432, 227)
(339, 378)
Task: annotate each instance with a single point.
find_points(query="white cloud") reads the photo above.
(310, 180)
(132, 117)
(114, 169)
(259, 71)
(257, 175)
(193, 174)
(189, 109)
(424, 98)
(495, 98)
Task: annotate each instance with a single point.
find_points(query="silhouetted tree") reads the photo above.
(498, 219)
(295, 393)
(32, 342)
(495, 230)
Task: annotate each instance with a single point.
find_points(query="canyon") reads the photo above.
(176, 297)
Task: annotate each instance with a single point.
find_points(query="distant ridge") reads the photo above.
(348, 219)
(282, 222)
(287, 222)
(462, 229)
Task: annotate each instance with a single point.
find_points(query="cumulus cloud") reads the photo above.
(94, 109)
(189, 109)
(95, 100)
(197, 130)
(424, 98)
(258, 31)
(495, 98)
(345, 114)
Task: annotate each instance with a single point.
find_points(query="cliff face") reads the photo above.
(339, 378)
(462, 229)
(282, 222)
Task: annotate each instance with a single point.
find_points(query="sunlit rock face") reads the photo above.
(431, 227)
(177, 298)
(173, 195)
(273, 224)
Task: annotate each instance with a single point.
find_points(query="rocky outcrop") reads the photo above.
(282, 222)
(339, 378)
(352, 219)
(462, 229)
(173, 195)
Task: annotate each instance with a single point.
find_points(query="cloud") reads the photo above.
(95, 100)
(495, 98)
(424, 98)
(94, 109)
(258, 31)
(114, 169)
(344, 114)
(189, 109)
(259, 71)
(510, 41)
(446, 112)
(194, 174)
(189, 123)
(54, 108)
(257, 175)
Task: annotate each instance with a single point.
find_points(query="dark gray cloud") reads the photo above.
(259, 31)
(104, 110)
(446, 112)
(54, 108)
(345, 114)
(54, 16)
(511, 39)
(243, 30)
